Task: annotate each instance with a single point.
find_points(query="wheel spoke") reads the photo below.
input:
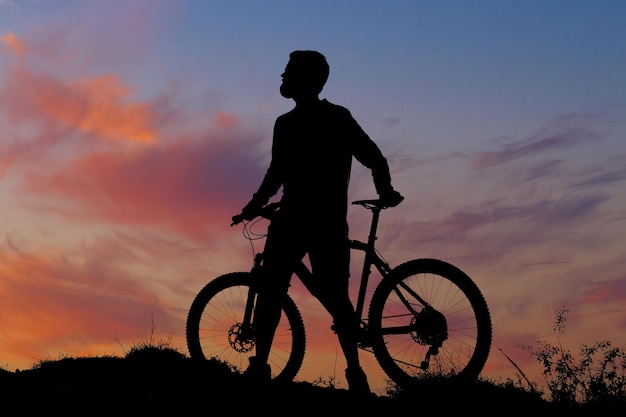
(215, 328)
(429, 318)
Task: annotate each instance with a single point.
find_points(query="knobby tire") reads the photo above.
(452, 293)
(219, 307)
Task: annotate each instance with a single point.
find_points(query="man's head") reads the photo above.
(305, 75)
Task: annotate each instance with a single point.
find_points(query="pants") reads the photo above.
(288, 241)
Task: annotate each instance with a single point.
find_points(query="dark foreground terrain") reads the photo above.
(162, 382)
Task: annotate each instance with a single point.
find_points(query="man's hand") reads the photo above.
(251, 211)
(247, 213)
(238, 218)
(391, 198)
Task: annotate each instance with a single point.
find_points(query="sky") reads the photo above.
(132, 131)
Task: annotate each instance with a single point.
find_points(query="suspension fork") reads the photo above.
(249, 310)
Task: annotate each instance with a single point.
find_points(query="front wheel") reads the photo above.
(216, 330)
(428, 318)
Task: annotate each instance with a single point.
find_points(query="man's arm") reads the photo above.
(272, 181)
(370, 155)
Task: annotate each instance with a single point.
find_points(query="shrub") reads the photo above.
(597, 375)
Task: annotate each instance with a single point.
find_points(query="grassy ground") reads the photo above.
(162, 382)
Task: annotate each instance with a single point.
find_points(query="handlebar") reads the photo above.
(268, 210)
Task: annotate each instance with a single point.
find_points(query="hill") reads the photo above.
(163, 382)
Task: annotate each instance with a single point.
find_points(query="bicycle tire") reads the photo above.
(219, 307)
(467, 326)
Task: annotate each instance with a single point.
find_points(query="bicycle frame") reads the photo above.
(371, 259)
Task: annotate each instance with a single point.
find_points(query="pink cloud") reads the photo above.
(186, 183)
(4, 164)
(225, 120)
(188, 186)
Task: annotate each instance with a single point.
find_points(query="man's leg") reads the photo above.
(280, 253)
(330, 259)
(266, 318)
(347, 326)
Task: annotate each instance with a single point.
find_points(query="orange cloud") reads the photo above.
(225, 120)
(178, 184)
(100, 105)
(104, 110)
(97, 105)
(4, 164)
(13, 43)
(52, 305)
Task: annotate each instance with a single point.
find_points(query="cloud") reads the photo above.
(14, 44)
(572, 209)
(610, 171)
(99, 106)
(61, 304)
(565, 131)
(225, 120)
(510, 153)
(187, 186)
(543, 169)
(87, 149)
(4, 164)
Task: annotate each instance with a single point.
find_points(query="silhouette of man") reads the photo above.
(312, 151)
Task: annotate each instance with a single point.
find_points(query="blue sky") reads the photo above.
(130, 132)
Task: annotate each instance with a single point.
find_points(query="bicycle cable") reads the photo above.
(250, 235)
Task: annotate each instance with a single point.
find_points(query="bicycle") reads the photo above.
(426, 317)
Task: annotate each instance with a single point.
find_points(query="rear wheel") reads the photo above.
(428, 318)
(215, 328)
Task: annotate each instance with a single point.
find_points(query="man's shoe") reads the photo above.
(258, 372)
(357, 381)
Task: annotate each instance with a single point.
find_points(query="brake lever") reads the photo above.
(236, 219)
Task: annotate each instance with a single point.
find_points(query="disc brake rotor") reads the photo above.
(241, 339)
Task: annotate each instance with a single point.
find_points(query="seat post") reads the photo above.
(369, 254)
(374, 227)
